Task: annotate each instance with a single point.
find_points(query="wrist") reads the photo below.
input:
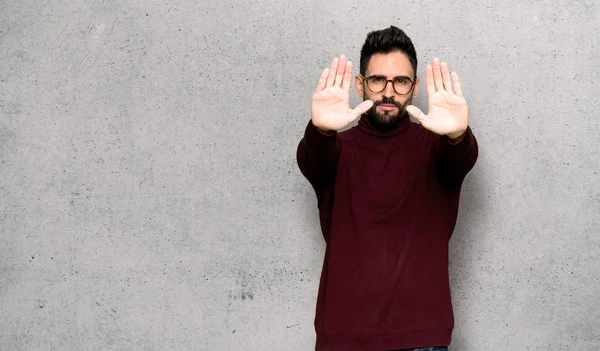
(323, 130)
(455, 136)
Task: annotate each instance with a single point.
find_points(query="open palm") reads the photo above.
(448, 110)
(330, 107)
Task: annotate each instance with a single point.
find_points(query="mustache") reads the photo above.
(388, 101)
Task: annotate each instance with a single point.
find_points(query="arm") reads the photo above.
(317, 155)
(317, 152)
(456, 157)
(455, 146)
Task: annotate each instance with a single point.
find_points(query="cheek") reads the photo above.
(374, 97)
(405, 101)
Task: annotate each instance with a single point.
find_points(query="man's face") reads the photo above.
(389, 107)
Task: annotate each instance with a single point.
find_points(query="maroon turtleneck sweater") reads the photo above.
(387, 203)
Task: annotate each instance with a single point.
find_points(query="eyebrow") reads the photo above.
(396, 77)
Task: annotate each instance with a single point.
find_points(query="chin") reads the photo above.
(386, 117)
(389, 118)
(385, 121)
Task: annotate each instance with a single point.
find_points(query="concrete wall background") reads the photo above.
(150, 200)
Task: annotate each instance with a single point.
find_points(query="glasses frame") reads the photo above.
(366, 80)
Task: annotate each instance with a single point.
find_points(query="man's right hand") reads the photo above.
(330, 108)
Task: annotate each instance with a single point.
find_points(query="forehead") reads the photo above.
(392, 64)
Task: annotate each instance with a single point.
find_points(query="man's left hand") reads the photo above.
(448, 111)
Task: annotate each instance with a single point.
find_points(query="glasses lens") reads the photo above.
(376, 84)
(402, 86)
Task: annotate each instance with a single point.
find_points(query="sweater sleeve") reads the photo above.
(456, 158)
(317, 155)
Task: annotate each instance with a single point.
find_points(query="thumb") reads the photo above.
(415, 112)
(362, 108)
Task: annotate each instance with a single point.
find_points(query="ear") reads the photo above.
(416, 89)
(358, 86)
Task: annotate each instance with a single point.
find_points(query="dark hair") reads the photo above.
(385, 41)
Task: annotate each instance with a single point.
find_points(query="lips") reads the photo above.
(387, 107)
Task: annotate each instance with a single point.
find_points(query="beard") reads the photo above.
(386, 120)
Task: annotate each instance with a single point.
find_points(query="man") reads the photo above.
(388, 192)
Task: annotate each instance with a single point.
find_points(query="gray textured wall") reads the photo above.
(149, 195)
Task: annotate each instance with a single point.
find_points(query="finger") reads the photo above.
(362, 108)
(322, 80)
(429, 80)
(331, 73)
(437, 75)
(347, 76)
(456, 84)
(416, 112)
(341, 69)
(446, 77)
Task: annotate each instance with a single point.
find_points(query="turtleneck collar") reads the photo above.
(367, 128)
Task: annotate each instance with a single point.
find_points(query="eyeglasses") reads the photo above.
(401, 85)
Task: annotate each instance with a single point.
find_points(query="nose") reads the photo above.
(389, 90)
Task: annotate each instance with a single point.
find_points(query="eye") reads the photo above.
(403, 81)
(377, 79)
